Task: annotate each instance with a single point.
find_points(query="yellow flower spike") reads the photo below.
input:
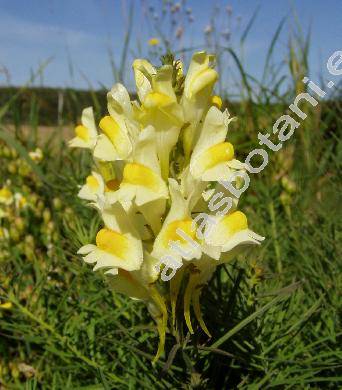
(197, 309)
(161, 321)
(216, 101)
(148, 190)
(175, 284)
(153, 41)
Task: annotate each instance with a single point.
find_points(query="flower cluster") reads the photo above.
(160, 163)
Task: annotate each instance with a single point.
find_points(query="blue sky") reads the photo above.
(76, 34)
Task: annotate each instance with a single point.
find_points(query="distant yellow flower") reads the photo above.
(86, 132)
(153, 41)
(3, 232)
(6, 306)
(6, 196)
(36, 155)
(20, 201)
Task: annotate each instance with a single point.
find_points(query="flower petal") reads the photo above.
(85, 249)
(143, 72)
(88, 121)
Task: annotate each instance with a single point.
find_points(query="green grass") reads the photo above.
(273, 316)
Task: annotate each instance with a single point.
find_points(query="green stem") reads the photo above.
(275, 238)
(62, 339)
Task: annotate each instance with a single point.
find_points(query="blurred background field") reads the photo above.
(274, 316)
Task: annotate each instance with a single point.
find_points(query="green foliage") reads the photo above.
(48, 106)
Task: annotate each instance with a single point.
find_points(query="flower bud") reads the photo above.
(29, 247)
(36, 155)
(288, 184)
(68, 211)
(14, 153)
(40, 205)
(14, 370)
(57, 204)
(12, 167)
(6, 152)
(14, 234)
(19, 224)
(33, 199)
(50, 227)
(23, 169)
(201, 76)
(46, 215)
(3, 234)
(29, 240)
(285, 199)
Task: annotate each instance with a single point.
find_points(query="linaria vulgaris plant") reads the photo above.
(160, 164)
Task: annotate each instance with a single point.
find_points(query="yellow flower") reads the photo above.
(6, 196)
(94, 188)
(114, 142)
(197, 96)
(6, 306)
(153, 41)
(213, 157)
(3, 233)
(178, 218)
(159, 107)
(119, 129)
(231, 231)
(36, 155)
(117, 244)
(86, 132)
(20, 201)
(201, 76)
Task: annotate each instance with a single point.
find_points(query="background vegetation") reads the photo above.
(274, 316)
